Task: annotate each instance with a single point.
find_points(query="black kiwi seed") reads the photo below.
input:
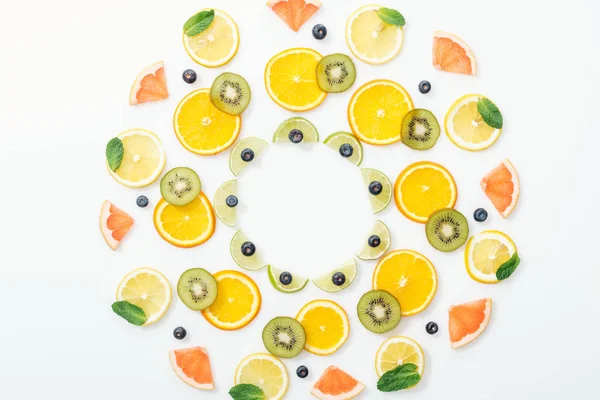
(420, 129)
(284, 337)
(379, 311)
(230, 93)
(447, 229)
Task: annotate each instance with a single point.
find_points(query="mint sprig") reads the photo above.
(404, 376)
(198, 23)
(130, 312)
(507, 269)
(114, 153)
(246, 391)
(490, 113)
(391, 16)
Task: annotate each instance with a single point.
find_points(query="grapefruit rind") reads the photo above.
(107, 233)
(462, 44)
(335, 375)
(294, 17)
(181, 374)
(491, 234)
(137, 84)
(516, 187)
(457, 139)
(468, 338)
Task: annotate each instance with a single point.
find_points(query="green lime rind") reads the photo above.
(311, 135)
(382, 200)
(226, 214)
(325, 283)
(335, 140)
(298, 282)
(251, 263)
(372, 253)
(236, 164)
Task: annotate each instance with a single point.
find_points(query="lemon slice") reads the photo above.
(465, 126)
(377, 243)
(326, 281)
(148, 289)
(226, 202)
(217, 45)
(143, 159)
(396, 351)
(244, 153)
(245, 253)
(379, 188)
(266, 372)
(486, 252)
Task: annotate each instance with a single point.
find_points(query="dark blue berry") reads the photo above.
(431, 328)
(142, 201)
(375, 188)
(296, 136)
(247, 155)
(189, 76)
(319, 32)
(424, 87)
(179, 333)
(480, 215)
(374, 241)
(248, 249)
(338, 278)
(346, 150)
(302, 372)
(285, 278)
(231, 201)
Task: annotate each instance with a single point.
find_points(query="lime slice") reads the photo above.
(346, 145)
(378, 242)
(296, 130)
(297, 284)
(244, 153)
(325, 281)
(379, 188)
(244, 252)
(226, 201)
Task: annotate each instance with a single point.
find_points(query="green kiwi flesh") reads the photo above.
(420, 129)
(335, 73)
(447, 229)
(197, 289)
(230, 93)
(284, 337)
(379, 311)
(180, 186)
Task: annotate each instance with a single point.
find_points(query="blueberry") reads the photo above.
(247, 155)
(375, 188)
(189, 76)
(285, 278)
(338, 278)
(142, 201)
(480, 215)
(296, 136)
(319, 32)
(374, 241)
(346, 150)
(248, 249)
(424, 87)
(179, 333)
(231, 201)
(431, 328)
(302, 372)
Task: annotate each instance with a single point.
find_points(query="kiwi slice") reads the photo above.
(284, 337)
(230, 93)
(447, 229)
(346, 145)
(377, 242)
(180, 186)
(335, 73)
(244, 153)
(379, 311)
(197, 288)
(420, 129)
(296, 130)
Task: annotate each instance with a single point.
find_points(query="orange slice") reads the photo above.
(424, 188)
(335, 384)
(193, 367)
(501, 185)
(216, 45)
(185, 226)
(114, 224)
(238, 301)
(326, 325)
(451, 54)
(468, 321)
(150, 85)
(294, 12)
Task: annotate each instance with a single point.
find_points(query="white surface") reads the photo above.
(66, 71)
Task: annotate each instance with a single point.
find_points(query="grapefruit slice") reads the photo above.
(452, 54)
(150, 85)
(468, 321)
(193, 367)
(294, 12)
(114, 224)
(501, 186)
(335, 384)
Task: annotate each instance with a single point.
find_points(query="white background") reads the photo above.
(65, 75)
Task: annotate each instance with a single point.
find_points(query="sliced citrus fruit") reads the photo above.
(486, 253)
(294, 12)
(148, 289)
(451, 54)
(336, 384)
(377, 243)
(338, 278)
(346, 145)
(291, 79)
(376, 111)
(396, 351)
(370, 39)
(465, 126)
(226, 202)
(185, 226)
(192, 366)
(286, 284)
(238, 301)
(114, 224)
(326, 325)
(266, 372)
(201, 127)
(424, 188)
(244, 152)
(245, 253)
(143, 158)
(150, 85)
(501, 185)
(217, 45)
(409, 276)
(379, 188)
(296, 130)
(467, 321)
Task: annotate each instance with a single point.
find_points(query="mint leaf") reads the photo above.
(130, 312)
(391, 16)
(402, 377)
(114, 153)
(246, 391)
(490, 113)
(508, 267)
(198, 23)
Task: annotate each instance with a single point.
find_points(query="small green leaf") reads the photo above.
(132, 313)
(246, 391)
(391, 16)
(404, 376)
(114, 153)
(198, 23)
(490, 113)
(508, 267)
